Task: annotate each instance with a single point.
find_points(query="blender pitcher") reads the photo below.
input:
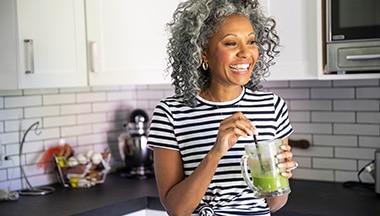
(260, 171)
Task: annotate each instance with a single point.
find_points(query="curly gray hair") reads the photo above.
(193, 24)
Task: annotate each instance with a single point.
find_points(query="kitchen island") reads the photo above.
(118, 196)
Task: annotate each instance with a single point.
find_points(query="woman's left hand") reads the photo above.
(286, 161)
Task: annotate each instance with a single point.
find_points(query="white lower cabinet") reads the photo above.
(147, 212)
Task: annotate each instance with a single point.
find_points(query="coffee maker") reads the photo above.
(138, 158)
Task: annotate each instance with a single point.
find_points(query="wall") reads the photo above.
(341, 119)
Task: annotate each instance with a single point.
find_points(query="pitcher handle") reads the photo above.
(244, 169)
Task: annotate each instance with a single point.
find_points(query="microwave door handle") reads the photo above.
(362, 57)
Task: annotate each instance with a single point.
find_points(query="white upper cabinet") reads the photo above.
(127, 41)
(299, 26)
(42, 44)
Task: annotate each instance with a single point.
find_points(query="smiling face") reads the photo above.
(232, 53)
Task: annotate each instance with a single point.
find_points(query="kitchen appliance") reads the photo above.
(353, 36)
(377, 171)
(133, 148)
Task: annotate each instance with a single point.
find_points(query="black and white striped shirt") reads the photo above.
(193, 130)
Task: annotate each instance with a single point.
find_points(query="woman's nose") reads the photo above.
(244, 51)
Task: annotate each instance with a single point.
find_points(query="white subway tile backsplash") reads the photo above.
(332, 93)
(315, 151)
(91, 97)
(3, 176)
(40, 91)
(359, 129)
(333, 163)
(356, 105)
(354, 153)
(347, 117)
(369, 141)
(313, 105)
(25, 101)
(42, 134)
(76, 130)
(299, 116)
(313, 174)
(275, 84)
(105, 106)
(13, 149)
(30, 147)
(369, 92)
(9, 114)
(12, 137)
(292, 93)
(17, 125)
(8, 93)
(303, 162)
(149, 94)
(121, 96)
(74, 90)
(318, 128)
(341, 119)
(1, 103)
(342, 176)
(92, 139)
(105, 88)
(368, 117)
(107, 126)
(335, 140)
(311, 83)
(91, 118)
(76, 109)
(59, 99)
(58, 121)
(32, 112)
(350, 83)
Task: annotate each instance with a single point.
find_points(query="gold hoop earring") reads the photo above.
(205, 66)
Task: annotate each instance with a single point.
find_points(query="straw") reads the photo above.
(258, 153)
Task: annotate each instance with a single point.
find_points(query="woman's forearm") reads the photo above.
(184, 197)
(276, 203)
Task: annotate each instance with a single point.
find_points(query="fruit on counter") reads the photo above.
(62, 151)
(81, 158)
(96, 158)
(72, 161)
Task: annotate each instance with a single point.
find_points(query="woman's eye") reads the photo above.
(252, 42)
(230, 43)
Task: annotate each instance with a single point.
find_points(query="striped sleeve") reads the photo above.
(284, 128)
(161, 132)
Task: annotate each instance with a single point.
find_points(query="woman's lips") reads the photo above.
(240, 68)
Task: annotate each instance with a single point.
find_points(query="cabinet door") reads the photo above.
(8, 45)
(299, 25)
(127, 41)
(51, 42)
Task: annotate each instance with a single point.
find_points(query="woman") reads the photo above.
(218, 52)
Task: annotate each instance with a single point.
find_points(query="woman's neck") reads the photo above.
(221, 94)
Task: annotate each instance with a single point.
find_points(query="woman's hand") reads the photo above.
(286, 156)
(230, 129)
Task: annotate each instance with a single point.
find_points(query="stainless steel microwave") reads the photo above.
(353, 36)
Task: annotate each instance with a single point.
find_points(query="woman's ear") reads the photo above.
(204, 58)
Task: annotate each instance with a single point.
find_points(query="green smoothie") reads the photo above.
(270, 183)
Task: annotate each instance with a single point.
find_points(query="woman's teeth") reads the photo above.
(240, 66)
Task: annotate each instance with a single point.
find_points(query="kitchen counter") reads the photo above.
(119, 196)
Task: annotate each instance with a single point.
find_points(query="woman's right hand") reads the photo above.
(230, 129)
